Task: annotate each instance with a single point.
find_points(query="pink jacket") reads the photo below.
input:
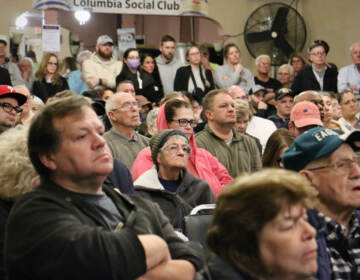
(207, 166)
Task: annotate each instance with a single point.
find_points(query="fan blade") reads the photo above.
(258, 36)
(280, 19)
(283, 45)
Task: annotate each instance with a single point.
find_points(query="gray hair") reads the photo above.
(353, 45)
(257, 59)
(28, 59)
(151, 117)
(289, 67)
(82, 56)
(17, 174)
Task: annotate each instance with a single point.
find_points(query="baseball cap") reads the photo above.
(8, 91)
(316, 143)
(305, 113)
(256, 88)
(317, 43)
(103, 40)
(282, 92)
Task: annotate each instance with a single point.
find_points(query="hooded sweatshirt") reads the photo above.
(95, 67)
(167, 72)
(201, 163)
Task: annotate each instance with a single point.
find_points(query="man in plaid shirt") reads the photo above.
(330, 162)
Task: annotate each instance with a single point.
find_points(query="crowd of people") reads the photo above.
(102, 159)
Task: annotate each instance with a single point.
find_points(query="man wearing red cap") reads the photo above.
(10, 102)
(304, 116)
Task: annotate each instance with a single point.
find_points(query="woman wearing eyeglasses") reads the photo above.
(168, 182)
(48, 79)
(178, 114)
(319, 74)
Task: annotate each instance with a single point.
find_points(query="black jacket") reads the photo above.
(44, 90)
(306, 80)
(56, 234)
(5, 77)
(183, 75)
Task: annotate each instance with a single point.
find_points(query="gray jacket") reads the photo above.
(168, 72)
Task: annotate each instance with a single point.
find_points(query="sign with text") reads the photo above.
(51, 38)
(144, 7)
(126, 39)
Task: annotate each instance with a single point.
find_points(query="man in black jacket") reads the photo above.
(319, 75)
(71, 227)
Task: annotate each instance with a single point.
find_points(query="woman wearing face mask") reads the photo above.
(130, 70)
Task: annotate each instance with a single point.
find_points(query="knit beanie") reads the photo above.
(160, 138)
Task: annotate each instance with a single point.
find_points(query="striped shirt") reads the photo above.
(343, 250)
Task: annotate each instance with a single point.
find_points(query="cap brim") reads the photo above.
(352, 138)
(21, 99)
(309, 121)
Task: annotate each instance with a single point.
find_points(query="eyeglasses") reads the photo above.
(185, 122)
(342, 166)
(318, 53)
(264, 64)
(52, 63)
(173, 148)
(127, 106)
(7, 107)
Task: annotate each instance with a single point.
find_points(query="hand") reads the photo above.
(238, 68)
(262, 105)
(92, 81)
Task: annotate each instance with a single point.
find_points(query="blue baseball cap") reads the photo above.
(316, 143)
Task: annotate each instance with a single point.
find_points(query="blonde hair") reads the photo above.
(17, 174)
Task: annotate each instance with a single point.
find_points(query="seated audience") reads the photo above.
(336, 107)
(243, 115)
(329, 161)
(260, 229)
(48, 79)
(27, 74)
(298, 62)
(349, 76)
(277, 144)
(311, 96)
(350, 119)
(328, 109)
(90, 230)
(233, 72)
(168, 182)
(304, 116)
(130, 70)
(168, 63)
(123, 140)
(319, 75)
(17, 176)
(152, 86)
(285, 75)
(237, 152)
(178, 114)
(194, 78)
(76, 82)
(27, 114)
(263, 67)
(205, 58)
(284, 101)
(68, 65)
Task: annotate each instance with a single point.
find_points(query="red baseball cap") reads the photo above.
(8, 91)
(305, 113)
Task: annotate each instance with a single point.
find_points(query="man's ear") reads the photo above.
(48, 161)
(311, 178)
(111, 116)
(208, 115)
